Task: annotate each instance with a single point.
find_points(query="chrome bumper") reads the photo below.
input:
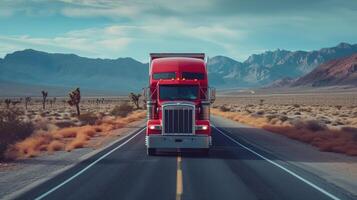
(180, 142)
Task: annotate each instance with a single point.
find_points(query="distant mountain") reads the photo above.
(224, 71)
(122, 75)
(280, 83)
(341, 71)
(69, 70)
(263, 69)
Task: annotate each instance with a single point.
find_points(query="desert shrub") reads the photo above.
(315, 125)
(351, 130)
(283, 118)
(337, 123)
(261, 101)
(338, 107)
(260, 112)
(88, 118)
(12, 129)
(223, 108)
(354, 114)
(270, 117)
(65, 124)
(122, 110)
(311, 125)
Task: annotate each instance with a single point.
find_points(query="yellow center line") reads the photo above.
(179, 187)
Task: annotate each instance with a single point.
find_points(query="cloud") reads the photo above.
(230, 27)
(111, 41)
(91, 42)
(129, 11)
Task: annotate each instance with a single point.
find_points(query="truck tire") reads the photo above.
(151, 151)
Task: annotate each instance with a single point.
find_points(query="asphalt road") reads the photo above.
(232, 170)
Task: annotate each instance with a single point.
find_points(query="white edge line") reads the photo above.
(89, 166)
(280, 166)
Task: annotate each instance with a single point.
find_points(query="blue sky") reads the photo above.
(134, 28)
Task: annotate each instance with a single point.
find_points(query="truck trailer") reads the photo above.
(178, 103)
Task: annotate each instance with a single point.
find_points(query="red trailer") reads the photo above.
(178, 102)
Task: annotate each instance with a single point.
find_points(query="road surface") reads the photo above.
(233, 170)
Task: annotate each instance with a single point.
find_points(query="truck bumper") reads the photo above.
(178, 142)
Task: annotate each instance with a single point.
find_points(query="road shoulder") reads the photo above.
(28, 173)
(337, 169)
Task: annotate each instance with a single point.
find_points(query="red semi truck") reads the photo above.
(178, 102)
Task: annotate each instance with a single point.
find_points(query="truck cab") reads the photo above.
(178, 103)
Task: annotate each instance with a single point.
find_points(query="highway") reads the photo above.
(233, 169)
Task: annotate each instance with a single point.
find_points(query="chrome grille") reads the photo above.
(178, 119)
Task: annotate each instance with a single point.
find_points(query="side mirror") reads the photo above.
(212, 94)
(145, 93)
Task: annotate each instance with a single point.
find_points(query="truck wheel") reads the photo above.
(151, 151)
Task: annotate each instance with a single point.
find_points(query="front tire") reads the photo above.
(151, 151)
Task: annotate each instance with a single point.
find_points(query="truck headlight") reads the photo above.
(155, 127)
(201, 127)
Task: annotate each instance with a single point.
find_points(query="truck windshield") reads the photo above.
(178, 92)
(164, 75)
(193, 75)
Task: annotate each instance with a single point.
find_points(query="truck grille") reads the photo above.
(178, 119)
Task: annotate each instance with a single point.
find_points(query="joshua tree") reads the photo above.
(64, 102)
(44, 96)
(135, 99)
(144, 103)
(27, 100)
(261, 101)
(53, 101)
(7, 102)
(14, 103)
(75, 99)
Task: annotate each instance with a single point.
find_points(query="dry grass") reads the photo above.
(68, 138)
(314, 132)
(338, 141)
(12, 129)
(55, 145)
(122, 110)
(58, 116)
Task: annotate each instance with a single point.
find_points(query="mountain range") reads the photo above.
(342, 71)
(40, 69)
(68, 70)
(263, 69)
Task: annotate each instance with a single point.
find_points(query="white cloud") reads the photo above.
(123, 11)
(6, 48)
(115, 40)
(99, 44)
(234, 28)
